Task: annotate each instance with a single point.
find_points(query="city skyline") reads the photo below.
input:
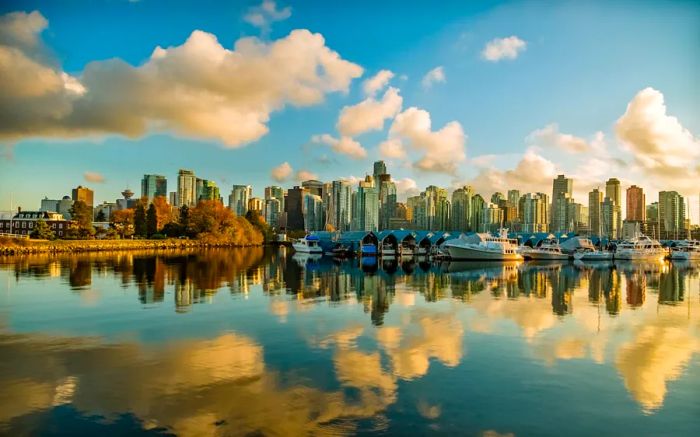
(441, 100)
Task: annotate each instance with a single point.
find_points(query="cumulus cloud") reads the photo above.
(533, 173)
(344, 145)
(658, 141)
(369, 114)
(266, 13)
(443, 150)
(550, 137)
(377, 82)
(198, 89)
(392, 149)
(436, 75)
(503, 48)
(94, 177)
(406, 187)
(282, 172)
(305, 175)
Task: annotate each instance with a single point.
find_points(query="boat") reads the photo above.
(686, 250)
(388, 250)
(308, 244)
(368, 250)
(484, 247)
(405, 250)
(342, 251)
(596, 255)
(549, 250)
(640, 248)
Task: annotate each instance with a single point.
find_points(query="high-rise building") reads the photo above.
(491, 218)
(313, 212)
(126, 201)
(461, 208)
(477, 207)
(614, 220)
(497, 197)
(271, 212)
(275, 192)
(153, 185)
(294, 208)
(534, 212)
(61, 206)
(611, 213)
(186, 188)
(366, 206)
(636, 204)
(651, 225)
(562, 196)
(437, 208)
(238, 199)
(256, 204)
(612, 190)
(207, 190)
(379, 169)
(173, 198)
(672, 216)
(339, 208)
(83, 194)
(595, 212)
(313, 187)
(415, 211)
(387, 200)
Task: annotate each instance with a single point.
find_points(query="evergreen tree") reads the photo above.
(81, 216)
(151, 220)
(101, 217)
(140, 228)
(42, 231)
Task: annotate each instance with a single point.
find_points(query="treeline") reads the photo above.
(208, 221)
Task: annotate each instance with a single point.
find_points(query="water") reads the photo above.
(236, 342)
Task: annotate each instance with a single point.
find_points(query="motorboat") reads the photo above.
(593, 255)
(388, 250)
(308, 244)
(686, 250)
(405, 250)
(483, 247)
(342, 251)
(549, 250)
(640, 248)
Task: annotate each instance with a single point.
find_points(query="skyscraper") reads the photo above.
(83, 194)
(186, 188)
(672, 215)
(387, 200)
(611, 213)
(271, 212)
(207, 190)
(379, 169)
(366, 206)
(275, 192)
(636, 204)
(534, 212)
(238, 199)
(313, 212)
(612, 190)
(294, 208)
(614, 216)
(562, 195)
(153, 185)
(461, 208)
(313, 186)
(491, 218)
(477, 207)
(339, 208)
(595, 212)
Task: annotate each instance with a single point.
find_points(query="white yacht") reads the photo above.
(640, 248)
(388, 250)
(549, 250)
(686, 251)
(484, 247)
(593, 255)
(308, 244)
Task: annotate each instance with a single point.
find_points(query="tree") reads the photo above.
(257, 220)
(42, 231)
(151, 220)
(140, 228)
(184, 216)
(101, 217)
(123, 222)
(81, 220)
(164, 212)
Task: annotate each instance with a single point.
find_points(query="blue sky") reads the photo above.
(582, 64)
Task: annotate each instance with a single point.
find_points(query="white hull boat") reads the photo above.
(487, 248)
(308, 244)
(686, 251)
(640, 249)
(593, 256)
(548, 251)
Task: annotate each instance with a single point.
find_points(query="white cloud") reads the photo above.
(94, 177)
(198, 89)
(305, 175)
(377, 82)
(344, 145)
(392, 149)
(443, 150)
(282, 172)
(406, 187)
(436, 75)
(550, 137)
(369, 114)
(266, 13)
(533, 173)
(503, 48)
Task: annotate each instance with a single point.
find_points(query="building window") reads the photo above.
(24, 225)
(60, 233)
(31, 224)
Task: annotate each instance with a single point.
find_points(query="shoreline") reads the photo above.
(25, 247)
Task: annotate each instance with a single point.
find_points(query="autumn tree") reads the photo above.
(140, 228)
(42, 231)
(81, 220)
(123, 222)
(164, 212)
(151, 220)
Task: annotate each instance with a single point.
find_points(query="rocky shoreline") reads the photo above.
(24, 247)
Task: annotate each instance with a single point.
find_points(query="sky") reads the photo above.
(498, 95)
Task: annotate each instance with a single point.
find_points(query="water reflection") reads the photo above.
(638, 319)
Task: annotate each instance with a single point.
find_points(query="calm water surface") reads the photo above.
(236, 342)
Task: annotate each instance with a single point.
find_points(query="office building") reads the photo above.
(313, 212)
(207, 190)
(62, 206)
(562, 196)
(256, 204)
(313, 187)
(366, 216)
(294, 209)
(83, 194)
(271, 211)
(186, 188)
(672, 216)
(636, 204)
(153, 185)
(533, 211)
(595, 213)
(461, 208)
(492, 218)
(339, 206)
(238, 199)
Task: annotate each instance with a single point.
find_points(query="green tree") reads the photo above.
(42, 231)
(140, 228)
(151, 220)
(81, 220)
(259, 223)
(101, 217)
